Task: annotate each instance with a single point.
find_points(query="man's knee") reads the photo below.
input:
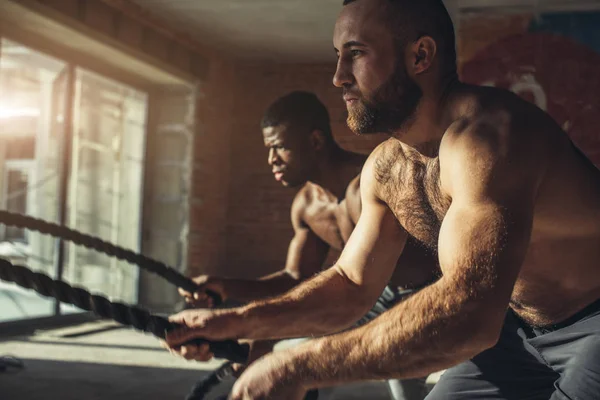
(408, 389)
(581, 379)
(457, 383)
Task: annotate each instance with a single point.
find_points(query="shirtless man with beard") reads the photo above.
(481, 175)
(302, 153)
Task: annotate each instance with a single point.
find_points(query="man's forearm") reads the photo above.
(324, 304)
(245, 290)
(428, 332)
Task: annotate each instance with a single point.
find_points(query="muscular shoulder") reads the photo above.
(379, 167)
(352, 198)
(301, 202)
(495, 142)
(353, 189)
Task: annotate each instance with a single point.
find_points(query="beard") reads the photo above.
(389, 108)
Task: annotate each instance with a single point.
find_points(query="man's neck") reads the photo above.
(424, 131)
(337, 170)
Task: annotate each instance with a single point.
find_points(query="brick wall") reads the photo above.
(134, 27)
(210, 178)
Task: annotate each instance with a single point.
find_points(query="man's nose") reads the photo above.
(342, 74)
(272, 156)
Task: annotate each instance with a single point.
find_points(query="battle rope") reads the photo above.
(154, 266)
(205, 385)
(135, 317)
(127, 315)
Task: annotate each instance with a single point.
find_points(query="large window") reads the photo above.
(71, 152)
(105, 195)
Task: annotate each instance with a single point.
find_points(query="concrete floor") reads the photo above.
(100, 360)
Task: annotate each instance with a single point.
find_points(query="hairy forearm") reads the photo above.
(324, 304)
(430, 331)
(245, 290)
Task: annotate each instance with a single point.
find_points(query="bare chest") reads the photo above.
(411, 188)
(330, 221)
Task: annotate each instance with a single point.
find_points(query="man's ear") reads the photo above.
(317, 139)
(422, 53)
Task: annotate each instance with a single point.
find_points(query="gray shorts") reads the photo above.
(559, 362)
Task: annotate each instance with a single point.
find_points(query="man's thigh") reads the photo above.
(574, 352)
(408, 389)
(511, 370)
(581, 379)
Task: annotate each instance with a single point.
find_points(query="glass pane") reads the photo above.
(105, 187)
(32, 99)
(17, 181)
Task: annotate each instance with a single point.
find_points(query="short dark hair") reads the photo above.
(416, 18)
(302, 110)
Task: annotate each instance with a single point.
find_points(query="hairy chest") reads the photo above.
(410, 186)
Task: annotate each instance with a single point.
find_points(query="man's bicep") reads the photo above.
(370, 256)
(481, 250)
(485, 233)
(306, 254)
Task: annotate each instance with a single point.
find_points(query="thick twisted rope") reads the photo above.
(204, 386)
(91, 242)
(126, 315)
(135, 317)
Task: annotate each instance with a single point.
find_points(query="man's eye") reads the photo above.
(355, 53)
